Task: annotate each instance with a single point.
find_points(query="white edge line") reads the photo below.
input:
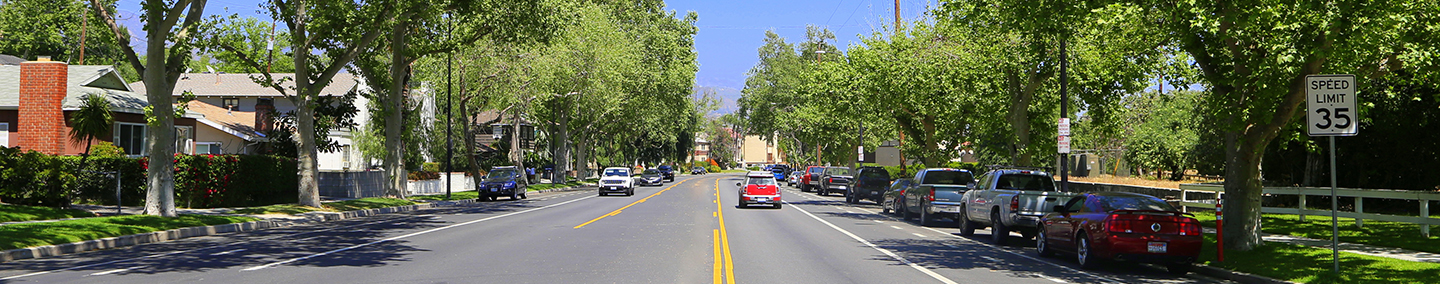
(228, 252)
(409, 235)
(917, 267)
(114, 271)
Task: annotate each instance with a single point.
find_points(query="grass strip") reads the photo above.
(463, 195)
(289, 209)
(60, 232)
(1375, 233)
(367, 203)
(16, 213)
(1306, 264)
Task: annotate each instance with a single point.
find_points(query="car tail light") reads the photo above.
(832, 180)
(1117, 223)
(1190, 227)
(1014, 204)
(932, 195)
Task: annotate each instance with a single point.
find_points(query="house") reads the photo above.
(237, 112)
(756, 150)
(492, 127)
(38, 97)
(702, 148)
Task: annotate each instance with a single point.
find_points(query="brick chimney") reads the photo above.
(43, 86)
(264, 114)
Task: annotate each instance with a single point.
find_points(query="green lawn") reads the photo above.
(290, 209)
(15, 213)
(1313, 265)
(367, 203)
(544, 186)
(463, 195)
(69, 231)
(1376, 233)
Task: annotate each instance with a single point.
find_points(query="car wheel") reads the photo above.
(602, 193)
(1084, 253)
(522, 196)
(1041, 246)
(925, 217)
(884, 209)
(967, 227)
(777, 205)
(998, 232)
(904, 210)
(1179, 268)
(849, 198)
(514, 196)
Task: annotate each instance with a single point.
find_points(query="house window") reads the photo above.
(184, 140)
(230, 103)
(208, 148)
(130, 137)
(4, 135)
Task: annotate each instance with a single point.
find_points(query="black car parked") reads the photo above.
(667, 171)
(870, 184)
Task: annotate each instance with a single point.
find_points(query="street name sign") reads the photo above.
(1330, 101)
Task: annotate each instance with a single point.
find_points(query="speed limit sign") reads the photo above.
(1331, 105)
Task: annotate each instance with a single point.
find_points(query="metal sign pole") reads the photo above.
(1334, 215)
(117, 193)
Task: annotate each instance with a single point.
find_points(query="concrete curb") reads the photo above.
(184, 233)
(1236, 276)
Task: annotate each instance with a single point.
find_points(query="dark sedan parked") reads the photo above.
(893, 196)
(651, 177)
(1121, 226)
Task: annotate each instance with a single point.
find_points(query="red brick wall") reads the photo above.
(41, 122)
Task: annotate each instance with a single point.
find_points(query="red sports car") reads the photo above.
(1121, 226)
(759, 188)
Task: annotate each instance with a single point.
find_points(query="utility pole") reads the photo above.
(1064, 112)
(901, 147)
(84, 15)
(897, 17)
(449, 144)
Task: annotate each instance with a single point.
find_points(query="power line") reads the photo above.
(832, 12)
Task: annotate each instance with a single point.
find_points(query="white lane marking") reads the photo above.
(410, 235)
(114, 271)
(917, 267)
(918, 235)
(991, 259)
(897, 227)
(848, 211)
(228, 252)
(951, 246)
(878, 221)
(1066, 268)
(1052, 279)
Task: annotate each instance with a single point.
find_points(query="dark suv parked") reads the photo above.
(870, 184)
(667, 172)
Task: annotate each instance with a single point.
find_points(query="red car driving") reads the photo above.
(759, 188)
(1121, 226)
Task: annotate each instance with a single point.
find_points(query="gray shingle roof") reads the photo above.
(83, 79)
(241, 85)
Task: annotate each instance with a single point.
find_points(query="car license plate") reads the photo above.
(494, 189)
(762, 199)
(872, 192)
(1156, 247)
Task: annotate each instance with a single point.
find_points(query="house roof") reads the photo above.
(241, 85)
(238, 123)
(83, 80)
(490, 117)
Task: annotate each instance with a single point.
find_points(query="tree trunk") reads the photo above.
(932, 147)
(160, 140)
(469, 129)
(309, 166)
(1242, 192)
(562, 149)
(395, 118)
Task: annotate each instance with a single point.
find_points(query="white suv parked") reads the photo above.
(617, 180)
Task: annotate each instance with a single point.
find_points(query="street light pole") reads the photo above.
(449, 97)
(1064, 113)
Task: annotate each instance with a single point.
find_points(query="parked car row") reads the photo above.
(1093, 227)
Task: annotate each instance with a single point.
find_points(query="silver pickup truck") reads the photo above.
(936, 194)
(1009, 200)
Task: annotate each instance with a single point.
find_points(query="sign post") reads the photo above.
(1330, 109)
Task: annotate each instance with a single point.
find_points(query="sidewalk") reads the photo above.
(1395, 253)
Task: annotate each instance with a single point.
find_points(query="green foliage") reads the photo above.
(33, 178)
(91, 121)
(34, 28)
(202, 181)
(1165, 134)
(105, 149)
(712, 169)
(430, 167)
(61, 232)
(367, 203)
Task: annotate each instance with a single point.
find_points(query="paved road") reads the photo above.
(688, 231)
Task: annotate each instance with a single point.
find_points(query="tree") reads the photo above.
(251, 37)
(1253, 59)
(169, 42)
(60, 32)
(91, 121)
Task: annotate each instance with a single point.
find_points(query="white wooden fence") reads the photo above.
(1360, 216)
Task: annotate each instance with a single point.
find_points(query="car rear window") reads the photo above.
(875, 173)
(1135, 203)
(817, 170)
(843, 171)
(1026, 182)
(948, 177)
(762, 181)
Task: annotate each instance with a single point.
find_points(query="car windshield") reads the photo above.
(1135, 203)
(497, 174)
(664, 168)
(762, 181)
(1026, 182)
(652, 172)
(617, 173)
(839, 171)
(948, 177)
(697, 169)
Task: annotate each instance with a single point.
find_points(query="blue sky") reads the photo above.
(730, 31)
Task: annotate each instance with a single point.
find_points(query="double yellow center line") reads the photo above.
(642, 200)
(722, 242)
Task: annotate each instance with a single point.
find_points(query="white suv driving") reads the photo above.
(617, 180)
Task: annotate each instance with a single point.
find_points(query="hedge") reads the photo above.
(202, 181)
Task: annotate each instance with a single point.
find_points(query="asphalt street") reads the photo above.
(687, 231)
